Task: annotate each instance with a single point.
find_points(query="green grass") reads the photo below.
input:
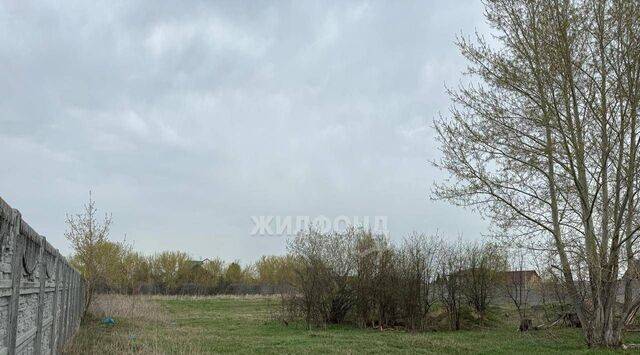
(246, 325)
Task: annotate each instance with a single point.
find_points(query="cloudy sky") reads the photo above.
(187, 118)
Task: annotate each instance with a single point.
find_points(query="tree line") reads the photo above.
(119, 269)
(111, 266)
(354, 276)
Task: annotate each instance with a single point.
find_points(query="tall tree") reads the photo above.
(88, 236)
(545, 142)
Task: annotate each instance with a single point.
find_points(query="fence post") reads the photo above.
(72, 316)
(78, 313)
(16, 275)
(71, 312)
(75, 303)
(42, 277)
(67, 309)
(62, 313)
(54, 309)
(64, 308)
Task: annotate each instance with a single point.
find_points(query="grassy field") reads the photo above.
(165, 325)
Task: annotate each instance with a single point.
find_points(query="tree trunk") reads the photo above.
(88, 298)
(603, 336)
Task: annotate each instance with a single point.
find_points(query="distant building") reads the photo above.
(198, 263)
(522, 278)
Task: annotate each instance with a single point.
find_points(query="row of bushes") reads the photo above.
(360, 277)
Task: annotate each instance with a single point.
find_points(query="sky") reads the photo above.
(186, 119)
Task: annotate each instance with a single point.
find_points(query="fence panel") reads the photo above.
(37, 285)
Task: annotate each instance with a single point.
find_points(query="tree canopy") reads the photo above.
(544, 141)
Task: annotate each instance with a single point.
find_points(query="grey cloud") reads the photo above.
(187, 118)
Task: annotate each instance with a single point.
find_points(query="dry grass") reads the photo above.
(140, 308)
(141, 327)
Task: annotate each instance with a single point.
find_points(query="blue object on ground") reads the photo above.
(108, 321)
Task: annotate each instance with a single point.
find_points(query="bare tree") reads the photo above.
(518, 288)
(86, 235)
(309, 273)
(450, 281)
(386, 290)
(325, 263)
(418, 257)
(545, 143)
(483, 276)
(370, 250)
(553, 291)
(557, 289)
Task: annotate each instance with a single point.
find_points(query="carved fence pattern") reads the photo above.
(41, 295)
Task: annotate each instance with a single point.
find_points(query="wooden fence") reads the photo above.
(41, 295)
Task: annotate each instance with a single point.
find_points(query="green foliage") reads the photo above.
(233, 274)
(276, 271)
(88, 238)
(170, 268)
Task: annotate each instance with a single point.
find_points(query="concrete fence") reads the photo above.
(41, 295)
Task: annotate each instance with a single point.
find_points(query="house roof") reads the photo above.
(195, 263)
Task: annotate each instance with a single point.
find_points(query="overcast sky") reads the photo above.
(187, 118)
